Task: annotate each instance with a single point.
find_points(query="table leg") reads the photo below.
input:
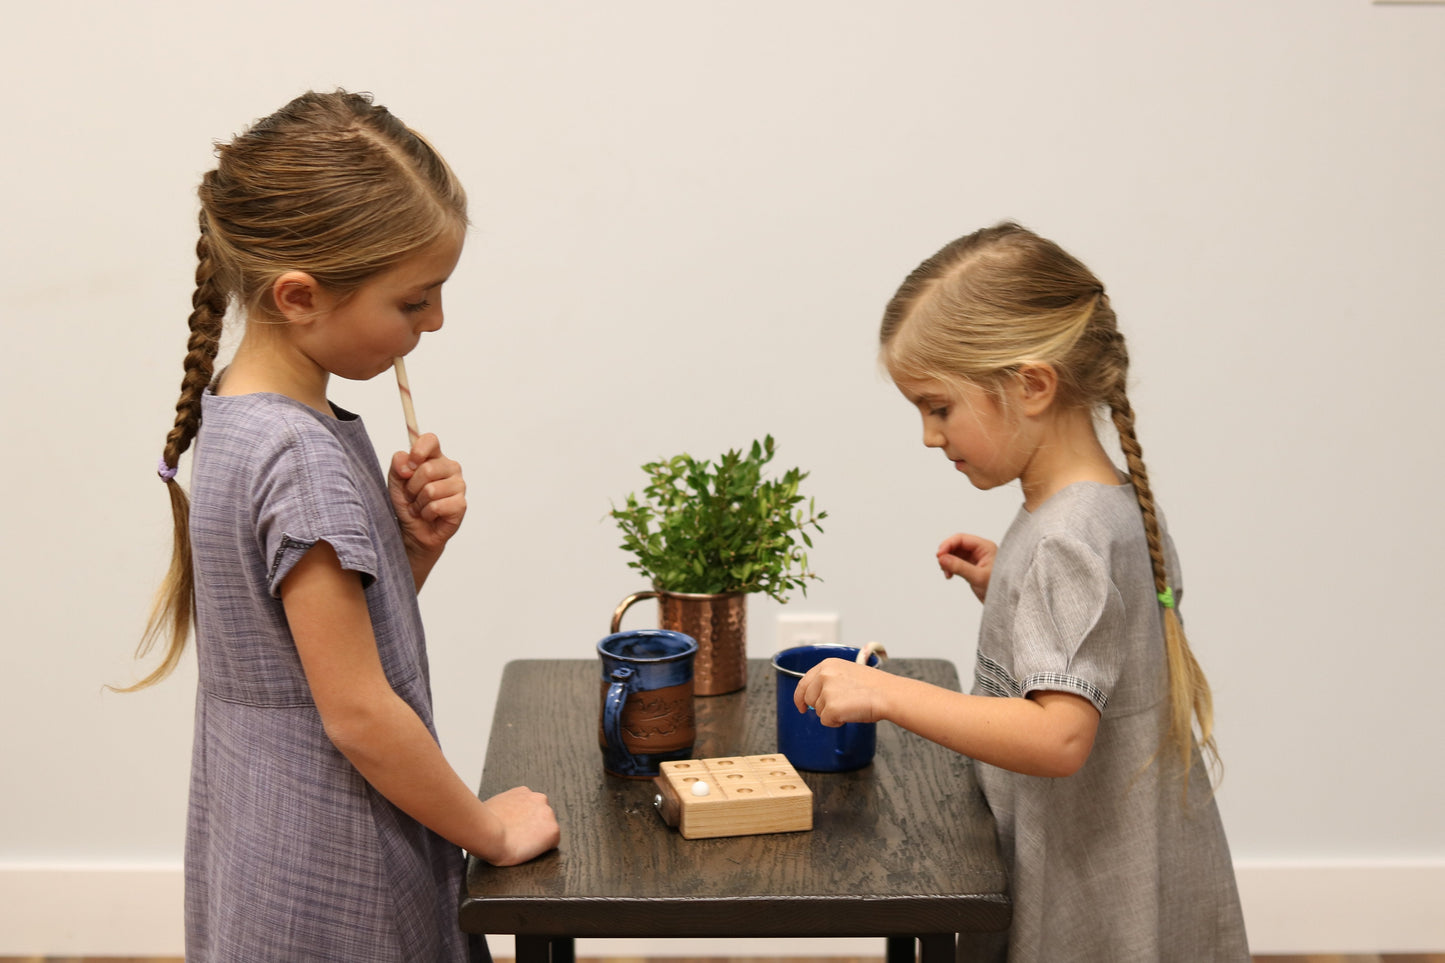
(533, 949)
(564, 949)
(902, 949)
(937, 948)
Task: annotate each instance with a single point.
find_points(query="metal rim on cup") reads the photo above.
(852, 651)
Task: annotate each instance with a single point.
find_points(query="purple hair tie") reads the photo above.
(166, 472)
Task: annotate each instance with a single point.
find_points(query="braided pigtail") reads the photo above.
(174, 609)
(1189, 694)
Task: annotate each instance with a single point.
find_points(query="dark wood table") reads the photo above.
(903, 848)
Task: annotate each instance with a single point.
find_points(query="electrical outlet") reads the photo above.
(807, 628)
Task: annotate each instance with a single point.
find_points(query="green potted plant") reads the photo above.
(707, 534)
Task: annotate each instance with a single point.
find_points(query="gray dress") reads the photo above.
(1109, 864)
(290, 853)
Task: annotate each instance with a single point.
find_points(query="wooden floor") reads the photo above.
(1356, 957)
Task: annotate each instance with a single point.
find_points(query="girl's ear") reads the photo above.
(297, 296)
(1038, 384)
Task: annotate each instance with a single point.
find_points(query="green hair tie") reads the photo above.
(1166, 598)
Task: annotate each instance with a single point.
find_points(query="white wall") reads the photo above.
(688, 217)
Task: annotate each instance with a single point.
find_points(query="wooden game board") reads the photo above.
(746, 795)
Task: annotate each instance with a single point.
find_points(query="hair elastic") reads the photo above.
(166, 472)
(1166, 597)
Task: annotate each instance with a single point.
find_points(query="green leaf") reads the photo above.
(705, 526)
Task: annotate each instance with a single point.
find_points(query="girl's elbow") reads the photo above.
(1066, 765)
(353, 728)
(347, 734)
(1067, 757)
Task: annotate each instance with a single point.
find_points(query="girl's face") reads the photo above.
(975, 428)
(357, 337)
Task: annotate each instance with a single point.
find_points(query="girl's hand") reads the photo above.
(429, 497)
(842, 691)
(530, 826)
(970, 557)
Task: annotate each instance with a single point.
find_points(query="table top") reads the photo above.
(905, 845)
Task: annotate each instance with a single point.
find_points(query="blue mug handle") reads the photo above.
(612, 709)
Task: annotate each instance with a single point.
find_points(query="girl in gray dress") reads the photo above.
(324, 820)
(1089, 717)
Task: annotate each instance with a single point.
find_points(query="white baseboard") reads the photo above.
(91, 910)
(1289, 907)
(1343, 906)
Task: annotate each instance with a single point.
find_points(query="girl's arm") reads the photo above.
(429, 497)
(1044, 734)
(382, 735)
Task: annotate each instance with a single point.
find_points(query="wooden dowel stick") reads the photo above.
(404, 386)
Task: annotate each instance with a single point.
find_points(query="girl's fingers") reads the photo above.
(428, 488)
(444, 509)
(958, 542)
(800, 694)
(953, 565)
(446, 496)
(971, 548)
(424, 490)
(405, 464)
(434, 471)
(425, 448)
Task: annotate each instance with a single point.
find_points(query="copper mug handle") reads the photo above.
(625, 604)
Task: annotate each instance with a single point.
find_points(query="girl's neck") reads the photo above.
(267, 361)
(1068, 451)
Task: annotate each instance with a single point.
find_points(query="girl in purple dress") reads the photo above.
(325, 823)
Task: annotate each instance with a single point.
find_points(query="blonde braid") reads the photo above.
(173, 611)
(208, 312)
(1189, 694)
(1123, 414)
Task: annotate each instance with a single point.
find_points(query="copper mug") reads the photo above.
(719, 623)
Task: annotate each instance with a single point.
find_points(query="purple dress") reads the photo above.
(290, 853)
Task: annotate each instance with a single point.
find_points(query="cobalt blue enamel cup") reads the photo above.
(647, 715)
(806, 742)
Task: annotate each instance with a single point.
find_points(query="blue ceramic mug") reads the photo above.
(647, 716)
(806, 742)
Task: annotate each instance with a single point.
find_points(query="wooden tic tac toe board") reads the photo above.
(745, 795)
